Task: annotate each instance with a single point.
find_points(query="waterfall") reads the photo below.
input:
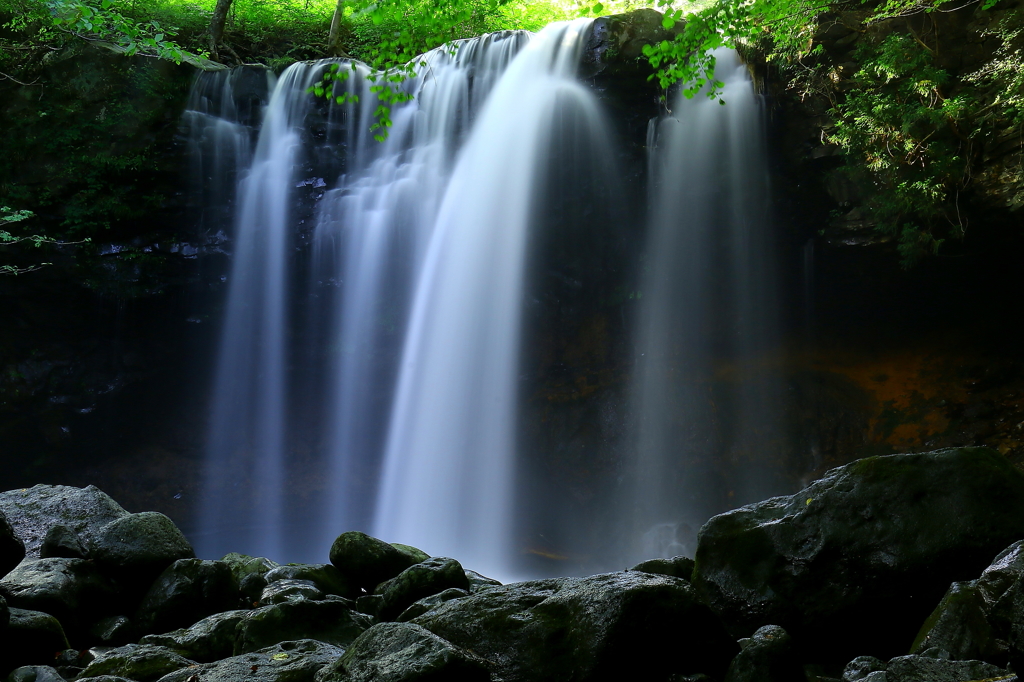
(708, 406)
(375, 205)
(449, 470)
(368, 372)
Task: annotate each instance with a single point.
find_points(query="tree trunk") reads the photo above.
(334, 37)
(220, 17)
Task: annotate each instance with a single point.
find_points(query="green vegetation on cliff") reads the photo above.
(921, 94)
(916, 126)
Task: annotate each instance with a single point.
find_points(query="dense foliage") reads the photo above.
(910, 131)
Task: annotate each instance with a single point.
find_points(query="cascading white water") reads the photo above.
(243, 502)
(706, 408)
(369, 235)
(371, 231)
(449, 471)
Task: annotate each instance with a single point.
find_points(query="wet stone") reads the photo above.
(209, 640)
(423, 605)
(331, 621)
(403, 652)
(366, 561)
(140, 662)
(293, 661)
(187, 591)
(289, 590)
(325, 577)
(417, 582)
(62, 541)
(33, 511)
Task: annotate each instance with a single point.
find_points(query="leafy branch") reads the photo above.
(9, 216)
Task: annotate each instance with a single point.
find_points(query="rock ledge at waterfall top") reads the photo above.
(833, 584)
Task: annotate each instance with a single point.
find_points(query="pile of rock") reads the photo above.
(834, 582)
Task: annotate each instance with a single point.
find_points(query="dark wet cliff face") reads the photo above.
(106, 363)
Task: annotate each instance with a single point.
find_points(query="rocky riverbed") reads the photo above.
(901, 568)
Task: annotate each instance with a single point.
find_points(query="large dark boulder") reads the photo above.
(140, 662)
(71, 590)
(12, 549)
(31, 638)
(211, 639)
(603, 627)
(366, 561)
(33, 511)
(854, 563)
(331, 621)
(187, 590)
(139, 547)
(983, 618)
(296, 661)
(403, 652)
(419, 581)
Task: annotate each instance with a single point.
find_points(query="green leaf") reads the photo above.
(597, 9)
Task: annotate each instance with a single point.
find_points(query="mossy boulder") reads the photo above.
(140, 662)
(31, 638)
(366, 561)
(403, 652)
(250, 572)
(139, 547)
(72, 590)
(187, 591)
(331, 621)
(293, 661)
(603, 627)
(983, 618)
(33, 511)
(854, 563)
(421, 580)
(211, 639)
